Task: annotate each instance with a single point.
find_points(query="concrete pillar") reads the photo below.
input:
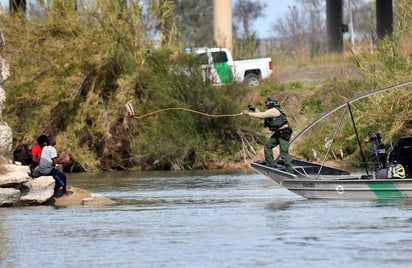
(334, 22)
(384, 18)
(222, 10)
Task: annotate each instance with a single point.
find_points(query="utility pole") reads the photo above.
(352, 38)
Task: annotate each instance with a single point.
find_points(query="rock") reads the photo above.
(17, 188)
(5, 137)
(80, 197)
(8, 196)
(13, 179)
(15, 168)
(41, 190)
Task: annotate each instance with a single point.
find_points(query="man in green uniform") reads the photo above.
(276, 120)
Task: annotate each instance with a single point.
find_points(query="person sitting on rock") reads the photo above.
(48, 162)
(36, 154)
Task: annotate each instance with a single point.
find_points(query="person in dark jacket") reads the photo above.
(275, 120)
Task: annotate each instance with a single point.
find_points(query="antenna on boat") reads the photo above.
(329, 143)
(357, 138)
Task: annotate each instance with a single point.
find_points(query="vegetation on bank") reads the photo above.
(73, 72)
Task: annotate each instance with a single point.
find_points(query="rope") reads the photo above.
(185, 109)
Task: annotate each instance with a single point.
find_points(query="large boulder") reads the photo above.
(39, 191)
(17, 188)
(9, 196)
(6, 137)
(80, 197)
(12, 181)
(13, 178)
(15, 168)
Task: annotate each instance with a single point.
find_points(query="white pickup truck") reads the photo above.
(220, 67)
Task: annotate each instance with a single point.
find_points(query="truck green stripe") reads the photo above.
(224, 72)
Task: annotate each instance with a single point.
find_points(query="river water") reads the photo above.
(205, 219)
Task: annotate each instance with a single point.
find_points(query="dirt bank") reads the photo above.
(316, 74)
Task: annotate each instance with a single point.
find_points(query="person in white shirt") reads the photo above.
(48, 162)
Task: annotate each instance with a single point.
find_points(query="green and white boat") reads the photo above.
(390, 179)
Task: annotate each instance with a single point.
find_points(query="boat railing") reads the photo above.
(300, 170)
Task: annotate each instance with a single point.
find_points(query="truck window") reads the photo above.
(203, 58)
(219, 57)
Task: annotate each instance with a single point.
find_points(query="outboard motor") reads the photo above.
(378, 150)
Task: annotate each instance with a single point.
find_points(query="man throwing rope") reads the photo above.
(276, 121)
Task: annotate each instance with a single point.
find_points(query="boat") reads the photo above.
(390, 179)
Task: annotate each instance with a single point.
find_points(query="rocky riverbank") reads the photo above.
(17, 188)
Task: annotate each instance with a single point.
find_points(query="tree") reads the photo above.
(195, 22)
(18, 5)
(164, 12)
(245, 12)
(363, 19)
(302, 27)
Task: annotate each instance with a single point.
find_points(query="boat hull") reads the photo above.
(351, 189)
(331, 183)
(312, 180)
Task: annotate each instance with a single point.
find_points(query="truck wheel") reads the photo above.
(251, 80)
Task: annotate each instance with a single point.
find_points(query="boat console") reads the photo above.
(402, 154)
(396, 163)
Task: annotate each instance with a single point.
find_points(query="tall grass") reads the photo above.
(74, 71)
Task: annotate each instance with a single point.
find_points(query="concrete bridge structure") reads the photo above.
(334, 20)
(222, 17)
